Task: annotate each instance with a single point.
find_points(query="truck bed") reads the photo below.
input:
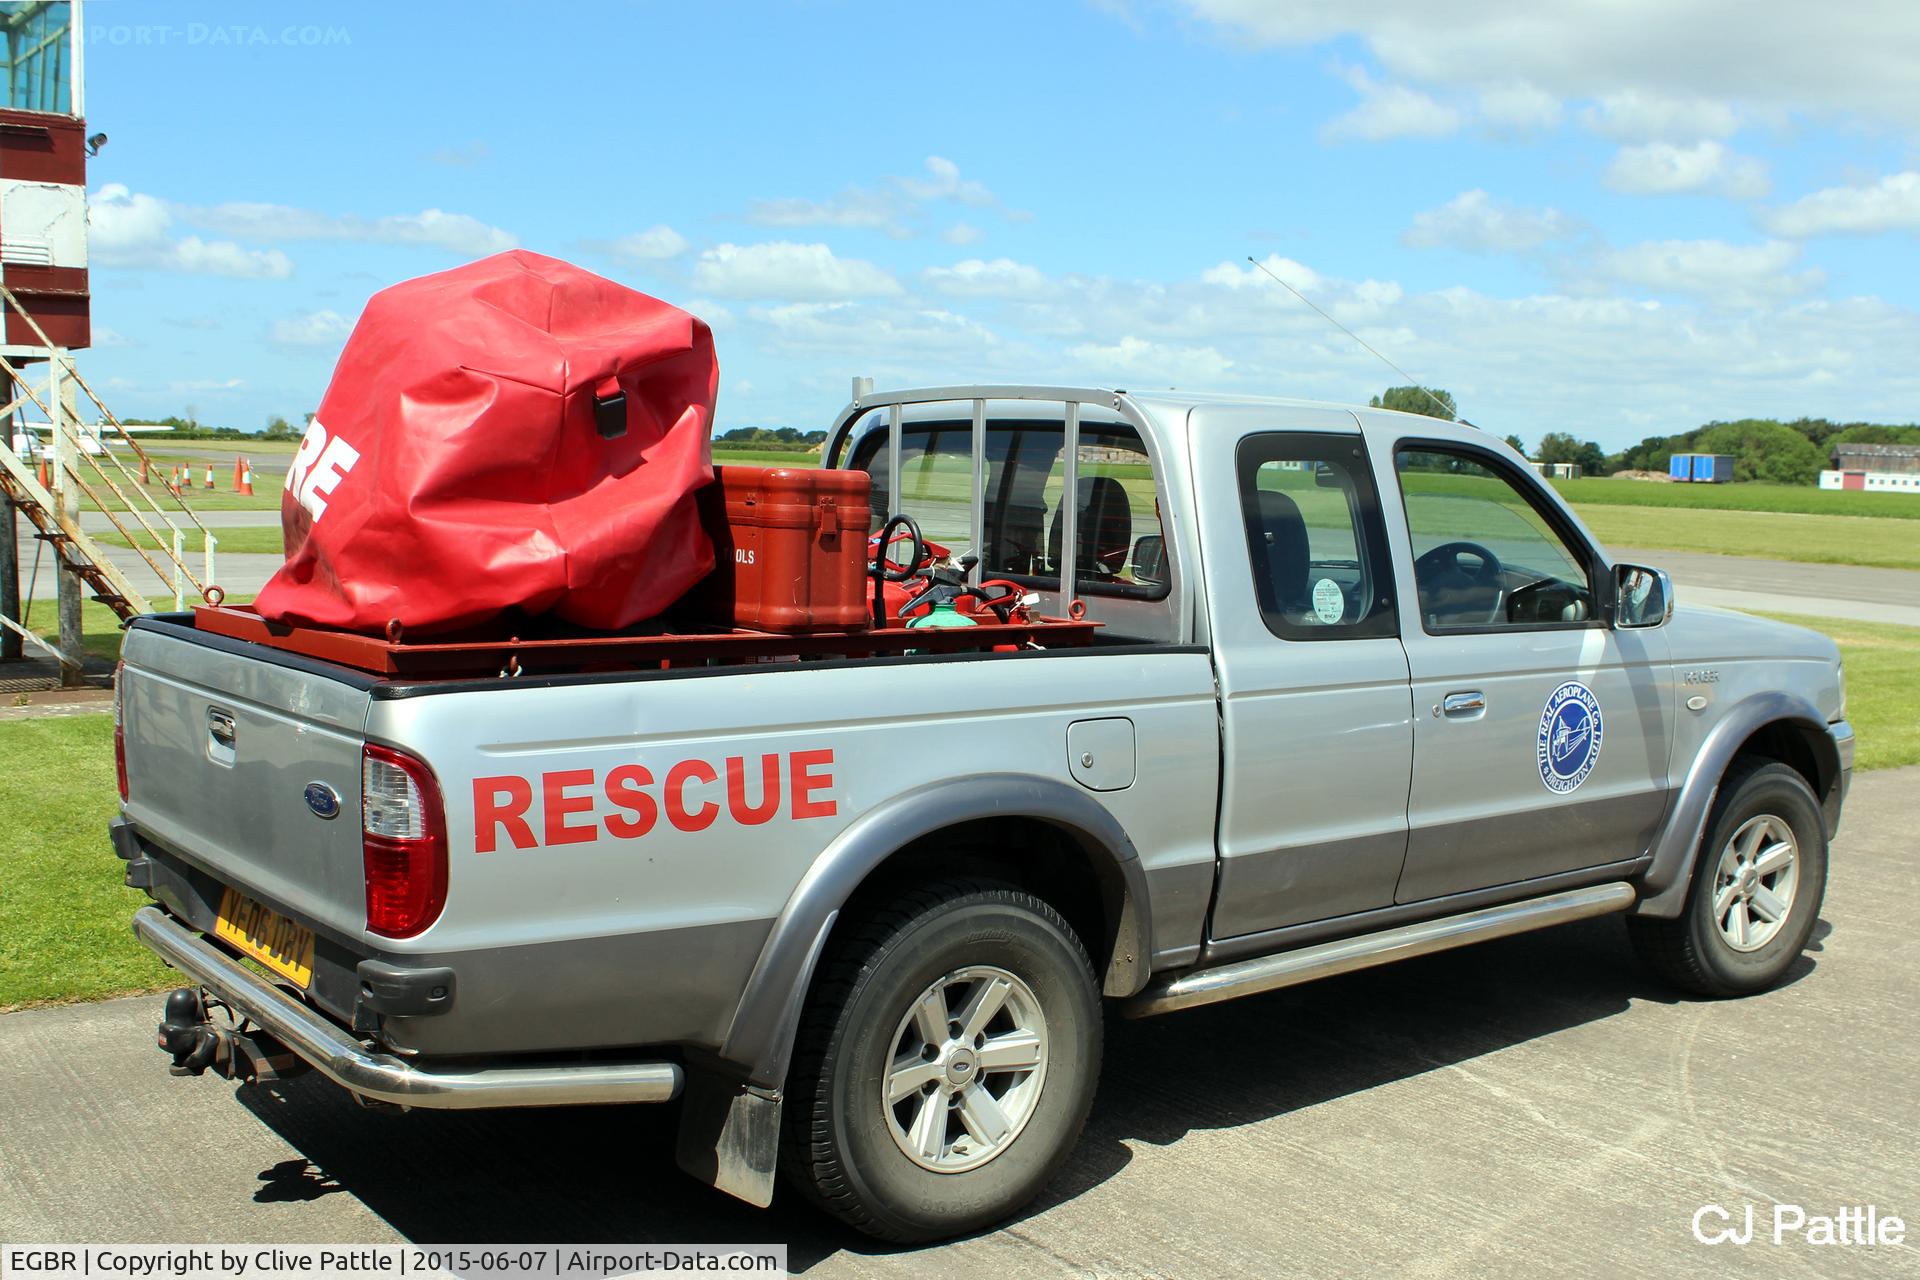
(613, 832)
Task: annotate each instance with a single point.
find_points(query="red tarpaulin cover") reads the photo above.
(472, 455)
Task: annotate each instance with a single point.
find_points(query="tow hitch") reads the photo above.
(233, 1051)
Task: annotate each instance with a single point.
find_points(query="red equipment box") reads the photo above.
(790, 550)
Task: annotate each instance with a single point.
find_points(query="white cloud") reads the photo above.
(461, 157)
(879, 333)
(1768, 56)
(1636, 115)
(1475, 221)
(1891, 204)
(322, 328)
(1000, 278)
(1232, 275)
(783, 269)
(1519, 108)
(855, 207)
(436, 228)
(893, 207)
(652, 245)
(1712, 269)
(1390, 111)
(943, 182)
(1648, 338)
(961, 234)
(131, 229)
(1662, 168)
(1133, 359)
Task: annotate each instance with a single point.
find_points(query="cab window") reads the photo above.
(1485, 554)
(1315, 539)
(1120, 549)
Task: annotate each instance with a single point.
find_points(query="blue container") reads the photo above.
(1718, 467)
(1680, 466)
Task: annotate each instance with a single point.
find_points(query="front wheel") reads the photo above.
(1757, 886)
(946, 1062)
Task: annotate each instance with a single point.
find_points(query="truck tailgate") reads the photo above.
(241, 811)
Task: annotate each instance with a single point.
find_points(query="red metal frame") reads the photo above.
(513, 655)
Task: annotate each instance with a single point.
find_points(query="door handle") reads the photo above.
(1469, 703)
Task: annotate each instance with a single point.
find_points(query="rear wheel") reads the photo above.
(945, 1064)
(1757, 886)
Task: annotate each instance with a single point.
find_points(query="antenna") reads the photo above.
(1413, 381)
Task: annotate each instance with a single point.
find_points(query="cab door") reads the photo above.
(1541, 734)
(1316, 721)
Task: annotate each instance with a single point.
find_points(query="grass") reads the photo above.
(1874, 541)
(244, 540)
(1883, 687)
(64, 913)
(1751, 496)
(99, 625)
(764, 458)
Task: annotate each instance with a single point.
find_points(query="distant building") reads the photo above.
(1877, 468)
(1701, 468)
(1556, 470)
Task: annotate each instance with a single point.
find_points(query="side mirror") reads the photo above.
(1642, 597)
(1150, 559)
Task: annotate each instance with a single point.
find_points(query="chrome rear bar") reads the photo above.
(381, 1076)
(1269, 973)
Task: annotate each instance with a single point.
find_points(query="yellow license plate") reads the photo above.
(267, 936)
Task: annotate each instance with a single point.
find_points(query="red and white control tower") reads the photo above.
(43, 175)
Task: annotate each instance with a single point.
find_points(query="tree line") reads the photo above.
(1781, 452)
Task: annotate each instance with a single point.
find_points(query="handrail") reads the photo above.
(134, 498)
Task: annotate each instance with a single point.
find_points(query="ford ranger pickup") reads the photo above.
(1364, 688)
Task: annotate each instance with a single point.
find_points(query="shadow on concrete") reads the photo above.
(594, 1175)
(294, 1180)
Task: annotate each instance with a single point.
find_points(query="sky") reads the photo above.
(1616, 218)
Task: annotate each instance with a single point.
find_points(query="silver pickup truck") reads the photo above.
(1365, 689)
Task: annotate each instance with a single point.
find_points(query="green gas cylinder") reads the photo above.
(943, 614)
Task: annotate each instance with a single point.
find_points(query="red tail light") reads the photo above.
(403, 842)
(119, 734)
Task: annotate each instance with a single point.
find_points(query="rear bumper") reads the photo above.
(382, 1077)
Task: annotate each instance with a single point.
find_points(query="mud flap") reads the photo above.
(730, 1136)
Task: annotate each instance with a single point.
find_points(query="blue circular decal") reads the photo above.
(322, 799)
(1569, 737)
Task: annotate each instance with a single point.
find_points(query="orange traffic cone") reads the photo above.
(146, 471)
(209, 475)
(243, 483)
(46, 475)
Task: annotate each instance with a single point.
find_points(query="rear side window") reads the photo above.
(1121, 550)
(1315, 539)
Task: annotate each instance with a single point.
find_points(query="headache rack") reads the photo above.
(547, 650)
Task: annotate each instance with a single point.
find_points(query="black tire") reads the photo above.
(1693, 951)
(838, 1145)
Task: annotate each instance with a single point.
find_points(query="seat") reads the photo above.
(1283, 533)
(1014, 532)
(1104, 533)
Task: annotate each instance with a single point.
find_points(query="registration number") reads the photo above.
(267, 936)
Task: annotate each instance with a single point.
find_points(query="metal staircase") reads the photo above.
(76, 474)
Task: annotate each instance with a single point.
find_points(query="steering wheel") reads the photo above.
(1442, 578)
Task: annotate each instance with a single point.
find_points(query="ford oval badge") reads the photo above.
(323, 800)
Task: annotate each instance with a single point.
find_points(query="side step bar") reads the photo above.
(1344, 955)
(381, 1076)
